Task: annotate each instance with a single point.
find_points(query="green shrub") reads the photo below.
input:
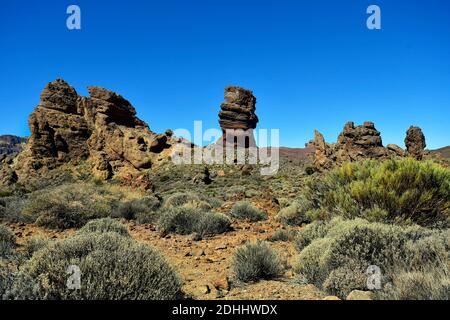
(315, 230)
(68, 206)
(343, 280)
(112, 267)
(105, 225)
(187, 221)
(256, 260)
(433, 284)
(7, 272)
(246, 211)
(331, 250)
(7, 242)
(137, 208)
(34, 244)
(294, 214)
(280, 235)
(11, 209)
(395, 190)
(186, 199)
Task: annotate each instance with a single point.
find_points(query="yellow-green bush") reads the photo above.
(395, 190)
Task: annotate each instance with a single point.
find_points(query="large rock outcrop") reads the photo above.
(357, 143)
(415, 142)
(101, 130)
(237, 116)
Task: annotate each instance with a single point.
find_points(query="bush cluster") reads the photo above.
(335, 255)
(185, 221)
(105, 225)
(394, 190)
(69, 205)
(7, 242)
(256, 260)
(113, 267)
(246, 211)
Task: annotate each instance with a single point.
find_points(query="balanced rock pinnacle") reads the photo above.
(237, 115)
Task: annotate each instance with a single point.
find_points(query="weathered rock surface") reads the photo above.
(415, 142)
(360, 295)
(357, 143)
(102, 129)
(11, 144)
(238, 113)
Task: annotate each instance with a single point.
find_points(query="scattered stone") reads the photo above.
(198, 252)
(331, 298)
(222, 282)
(360, 295)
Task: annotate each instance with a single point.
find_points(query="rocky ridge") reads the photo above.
(102, 129)
(362, 142)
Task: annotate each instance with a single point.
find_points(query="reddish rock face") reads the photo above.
(238, 109)
(237, 117)
(102, 128)
(354, 143)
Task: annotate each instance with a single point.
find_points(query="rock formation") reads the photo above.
(101, 129)
(353, 144)
(415, 142)
(11, 144)
(238, 113)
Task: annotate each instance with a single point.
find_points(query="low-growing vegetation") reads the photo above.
(335, 255)
(105, 225)
(246, 211)
(186, 221)
(112, 267)
(7, 242)
(405, 190)
(256, 260)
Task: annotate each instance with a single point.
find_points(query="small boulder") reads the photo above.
(360, 295)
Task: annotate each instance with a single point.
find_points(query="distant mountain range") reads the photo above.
(10, 144)
(445, 152)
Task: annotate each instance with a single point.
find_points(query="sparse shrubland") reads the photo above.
(105, 225)
(69, 206)
(246, 211)
(280, 235)
(112, 267)
(403, 190)
(256, 260)
(186, 221)
(335, 255)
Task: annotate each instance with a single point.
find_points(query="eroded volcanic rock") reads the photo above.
(238, 109)
(238, 113)
(354, 143)
(415, 142)
(102, 129)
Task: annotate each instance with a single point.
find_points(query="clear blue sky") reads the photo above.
(311, 64)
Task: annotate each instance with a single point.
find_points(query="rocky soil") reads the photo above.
(205, 265)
